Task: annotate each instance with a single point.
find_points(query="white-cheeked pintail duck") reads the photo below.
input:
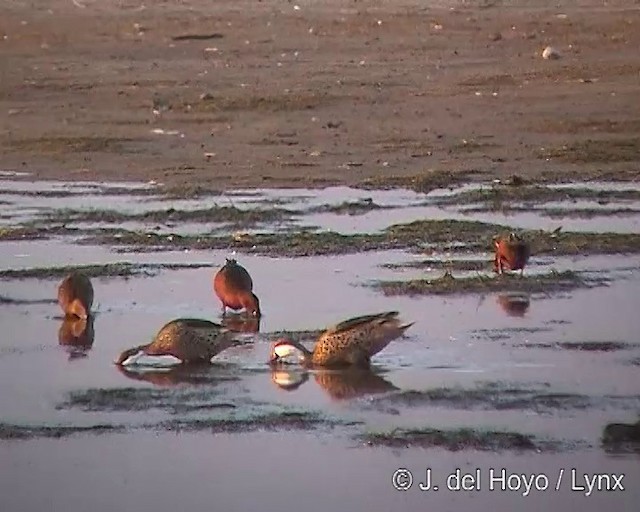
(185, 340)
(352, 342)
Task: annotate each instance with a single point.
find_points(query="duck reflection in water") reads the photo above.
(194, 374)
(340, 384)
(76, 335)
(514, 304)
(241, 323)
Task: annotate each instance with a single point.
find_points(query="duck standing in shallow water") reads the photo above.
(185, 340)
(234, 287)
(352, 342)
(75, 295)
(512, 253)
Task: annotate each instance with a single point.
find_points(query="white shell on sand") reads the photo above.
(550, 53)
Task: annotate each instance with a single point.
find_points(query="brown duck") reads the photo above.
(352, 342)
(234, 287)
(511, 253)
(185, 340)
(75, 295)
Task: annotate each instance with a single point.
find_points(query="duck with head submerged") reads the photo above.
(511, 253)
(350, 343)
(75, 295)
(181, 341)
(234, 287)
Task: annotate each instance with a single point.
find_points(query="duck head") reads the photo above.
(129, 356)
(251, 304)
(78, 309)
(284, 350)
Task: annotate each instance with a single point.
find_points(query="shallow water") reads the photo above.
(204, 471)
(395, 206)
(463, 358)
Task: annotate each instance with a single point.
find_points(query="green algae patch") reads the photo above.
(457, 440)
(108, 270)
(9, 432)
(447, 265)
(491, 396)
(444, 233)
(447, 284)
(174, 398)
(573, 243)
(25, 233)
(499, 197)
(291, 244)
(500, 396)
(221, 214)
(284, 420)
(621, 437)
(358, 207)
(582, 346)
(4, 300)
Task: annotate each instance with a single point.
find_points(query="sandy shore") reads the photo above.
(278, 93)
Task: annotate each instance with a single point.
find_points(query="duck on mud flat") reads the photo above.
(511, 253)
(352, 342)
(185, 340)
(234, 287)
(75, 295)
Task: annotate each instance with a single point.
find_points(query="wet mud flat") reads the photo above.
(496, 372)
(267, 94)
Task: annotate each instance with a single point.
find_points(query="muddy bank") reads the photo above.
(340, 97)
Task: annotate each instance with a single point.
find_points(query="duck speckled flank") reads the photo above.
(234, 287)
(352, 342)
(511, 253)
(189, 340)
(75, 295)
